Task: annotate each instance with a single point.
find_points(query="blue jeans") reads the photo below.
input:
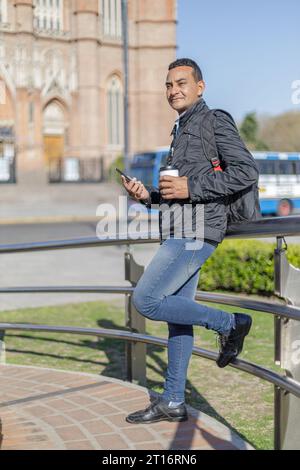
(166, 292)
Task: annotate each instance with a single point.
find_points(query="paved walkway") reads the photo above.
(53, 409)
(28, 203)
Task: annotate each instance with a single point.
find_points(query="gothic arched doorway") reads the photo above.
(54, 126)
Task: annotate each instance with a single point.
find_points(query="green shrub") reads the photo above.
(245, 266)
(112, 174)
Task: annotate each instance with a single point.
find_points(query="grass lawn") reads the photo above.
(242, 402)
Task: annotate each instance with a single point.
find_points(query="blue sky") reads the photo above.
(249, 51)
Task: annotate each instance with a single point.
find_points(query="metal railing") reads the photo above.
(286, 316)
(7, 171)
(76, 170)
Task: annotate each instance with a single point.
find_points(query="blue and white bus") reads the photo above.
(279, 179)
(279, 182)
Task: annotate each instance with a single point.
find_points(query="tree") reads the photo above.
(282, 133)
(249, 132)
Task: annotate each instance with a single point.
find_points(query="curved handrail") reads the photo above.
(267, 227)
(281, 310)
(280, 381)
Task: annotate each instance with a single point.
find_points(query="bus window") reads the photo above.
(144, 158)
(287, 167)
(267, 167)
(143, 174)
(142, 167)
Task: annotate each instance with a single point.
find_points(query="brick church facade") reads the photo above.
(61, 78)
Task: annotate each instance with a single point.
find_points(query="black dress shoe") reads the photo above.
(158, 410)
(231, 345)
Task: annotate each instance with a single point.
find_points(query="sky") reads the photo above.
(248, 51)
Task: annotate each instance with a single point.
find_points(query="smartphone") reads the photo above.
(128, 178)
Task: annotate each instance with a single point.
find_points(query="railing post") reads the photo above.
(2, 347)
(287, 352)
(135, 352)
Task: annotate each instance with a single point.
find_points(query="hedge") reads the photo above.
(244, 266)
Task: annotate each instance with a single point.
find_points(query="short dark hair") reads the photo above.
(189, 63)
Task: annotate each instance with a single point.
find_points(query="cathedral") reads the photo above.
(61, 83)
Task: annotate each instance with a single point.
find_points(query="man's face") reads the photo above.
(182, 88)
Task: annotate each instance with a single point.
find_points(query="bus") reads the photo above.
(279, 177)
(279, 182)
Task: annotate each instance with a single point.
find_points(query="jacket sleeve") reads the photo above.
(239, 167)
(154, 196)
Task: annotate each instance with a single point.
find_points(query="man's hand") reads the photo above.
(135, 189)
(174, 187)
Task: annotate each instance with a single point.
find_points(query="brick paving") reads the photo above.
(52, 409)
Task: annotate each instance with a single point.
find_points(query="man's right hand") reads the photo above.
(136, 189)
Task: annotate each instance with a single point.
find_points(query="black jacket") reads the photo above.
(208, 189)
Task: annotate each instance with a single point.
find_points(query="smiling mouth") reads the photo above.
(176, 99)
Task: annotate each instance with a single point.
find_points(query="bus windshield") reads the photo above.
(145, 166)
(142, 167)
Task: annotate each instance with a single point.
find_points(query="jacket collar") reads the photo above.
(198, 106)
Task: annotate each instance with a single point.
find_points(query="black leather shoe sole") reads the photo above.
(177, 419)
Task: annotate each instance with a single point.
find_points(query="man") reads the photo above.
(167, 288)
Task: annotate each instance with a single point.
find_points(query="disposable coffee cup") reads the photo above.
(168, 170)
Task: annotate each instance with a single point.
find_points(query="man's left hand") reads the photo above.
(174, 187)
